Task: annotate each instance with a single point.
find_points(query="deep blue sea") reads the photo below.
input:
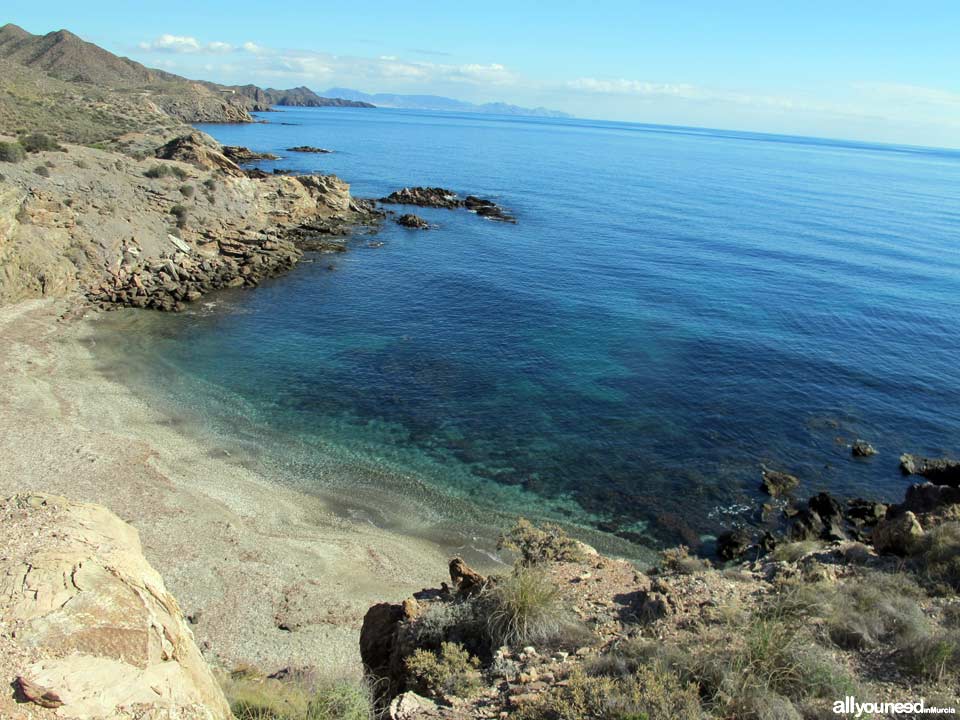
(674, 308)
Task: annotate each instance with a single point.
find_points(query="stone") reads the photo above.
(414, 222)
(861, 448)
(467, 580)
(424, 197)
(410, 706)
(487, 209)
(927, 497)
(778, 483)
(309, 149)
(733, 543)
(898, 534)
(102, 631)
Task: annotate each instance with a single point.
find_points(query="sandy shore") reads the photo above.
(271, 575)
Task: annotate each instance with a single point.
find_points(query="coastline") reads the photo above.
(270, 575)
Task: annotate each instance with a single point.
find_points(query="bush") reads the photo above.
(11, 152)
(680, 560)
(187, 191)
(42, 171)
(39, 142)
(651, 693)
(458, 622)
(180, 213)
(792, 552)
(210, 184)
(524, 609)
(452, 671)
(158, 171)
(548, 543)
(937, 557)
(931, 657)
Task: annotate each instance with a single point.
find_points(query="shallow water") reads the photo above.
(674, 308)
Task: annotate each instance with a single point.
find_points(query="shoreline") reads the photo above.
(270, 575)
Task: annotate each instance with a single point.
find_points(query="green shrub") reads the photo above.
(210, 184)
(524, 609)
(11, 152)
(458, 622)
(42, 171)
(187, 191)
(452, 671)
(547, 543)
(340, 701)
(39, 142)
(651, 693)
(158, 171)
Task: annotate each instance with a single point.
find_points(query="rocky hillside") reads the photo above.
(864, 606)
(87, 628)
(161, 230)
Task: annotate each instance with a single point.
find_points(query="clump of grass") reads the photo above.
(11, 152)
(931, 656)
(254, 697)
(40, 142)
(42, 171)
(680, 560)
(792, 552)
(936, 557)
(451, 671)
(524, 609)
(534, 545)
(651, 693)
(162, 171)
(187, 191)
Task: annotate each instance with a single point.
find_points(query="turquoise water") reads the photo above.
(674, 308)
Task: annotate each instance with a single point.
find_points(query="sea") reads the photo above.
(674, 310)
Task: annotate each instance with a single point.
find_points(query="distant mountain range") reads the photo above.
(437, 102)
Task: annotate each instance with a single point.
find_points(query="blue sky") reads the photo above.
(882, 71)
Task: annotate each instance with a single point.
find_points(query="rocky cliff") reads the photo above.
(87, 628)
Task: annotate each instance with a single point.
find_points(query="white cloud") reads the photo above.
(184, 44)
(633, 87)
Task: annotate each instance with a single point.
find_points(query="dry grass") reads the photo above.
(255, 697)
(525, 609)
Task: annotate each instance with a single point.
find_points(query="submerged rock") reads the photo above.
(487, 209)
(778, 483)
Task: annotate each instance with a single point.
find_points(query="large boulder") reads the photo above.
(201, 151)
(897, 533)
(941, 471)
(87, 627)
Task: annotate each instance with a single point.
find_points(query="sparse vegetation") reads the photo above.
(42, 171)
(650, 693)
(792, 552)
(11, 152)
(451, 671)
(680, 560)
(187, 191)
(180, 213)
(164, 170)
(547, 543)
(937, 558)
(255, 697)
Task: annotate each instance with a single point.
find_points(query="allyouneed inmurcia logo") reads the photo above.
(850, 706)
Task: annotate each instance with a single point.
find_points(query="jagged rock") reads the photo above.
(467, 580)
(103, 633)
(861, 448)
(424, 197)
(199, 150)
(415, 222)
(733, 543)
(864, 513)
(378, 648)
(941, 471)
(831, 515)
(778, 483)
(897, 534)
(240, 155)
(928, 497)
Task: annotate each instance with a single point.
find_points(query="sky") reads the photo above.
(868, 70)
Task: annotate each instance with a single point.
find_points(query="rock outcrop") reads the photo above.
(309, 149)
(199, 150)
(438, 197)
(87, 627)
(414, 222)
(942, 471)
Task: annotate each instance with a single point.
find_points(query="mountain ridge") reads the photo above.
(441, 103)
